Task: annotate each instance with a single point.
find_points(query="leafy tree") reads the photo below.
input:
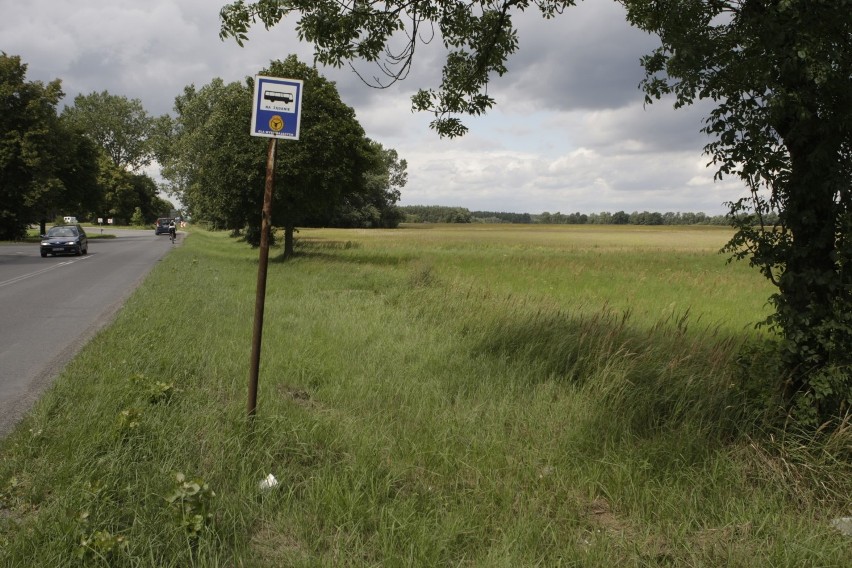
(147, 199)
(208, 156)
(121, 126)
(77, 171)
(124, 192)
(383, 184)
(27, 115)
(375, 206)
(436, 214)
(646, 218)
(162, 208)
(137, 219)
(328, 162)
(780, 73)
(577, 218)
(620, 218)
(53, 165)
(332, 172)
(502, 217)
(602, 218)
(478, 33)
(46, 167)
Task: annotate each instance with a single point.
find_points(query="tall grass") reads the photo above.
(427, 397)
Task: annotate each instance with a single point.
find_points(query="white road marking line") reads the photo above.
(37, 272)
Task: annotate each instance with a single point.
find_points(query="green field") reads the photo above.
(483, 395)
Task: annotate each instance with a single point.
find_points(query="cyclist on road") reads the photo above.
(172, 231)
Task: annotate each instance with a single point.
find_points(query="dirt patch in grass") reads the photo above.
(270, 546)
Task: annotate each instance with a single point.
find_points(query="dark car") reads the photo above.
(162, 226)
(65, 239)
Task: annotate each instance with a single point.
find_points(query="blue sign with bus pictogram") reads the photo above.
(277, 107)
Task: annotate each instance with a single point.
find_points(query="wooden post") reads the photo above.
(263, 263)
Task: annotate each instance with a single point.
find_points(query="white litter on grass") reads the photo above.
(844, 525)
(269, 482)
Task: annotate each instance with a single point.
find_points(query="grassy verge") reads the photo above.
(428, 397)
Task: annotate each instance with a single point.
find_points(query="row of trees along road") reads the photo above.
(82, 162)
(780, 75)
(332, 176)
(86, 160)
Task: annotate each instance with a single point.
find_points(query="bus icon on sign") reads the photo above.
(273, 96)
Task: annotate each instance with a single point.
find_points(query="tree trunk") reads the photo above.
(289, 229)
(811, 284)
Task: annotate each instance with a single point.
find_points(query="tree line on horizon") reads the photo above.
(449, 214)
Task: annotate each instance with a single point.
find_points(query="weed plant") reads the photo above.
(436, 396)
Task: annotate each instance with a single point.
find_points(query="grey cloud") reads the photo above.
(571, 88)
(588, 58)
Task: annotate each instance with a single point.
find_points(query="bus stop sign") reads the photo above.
(277, 107)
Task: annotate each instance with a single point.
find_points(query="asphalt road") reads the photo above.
(50, 307)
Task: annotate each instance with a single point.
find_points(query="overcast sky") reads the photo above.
(569, 132)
